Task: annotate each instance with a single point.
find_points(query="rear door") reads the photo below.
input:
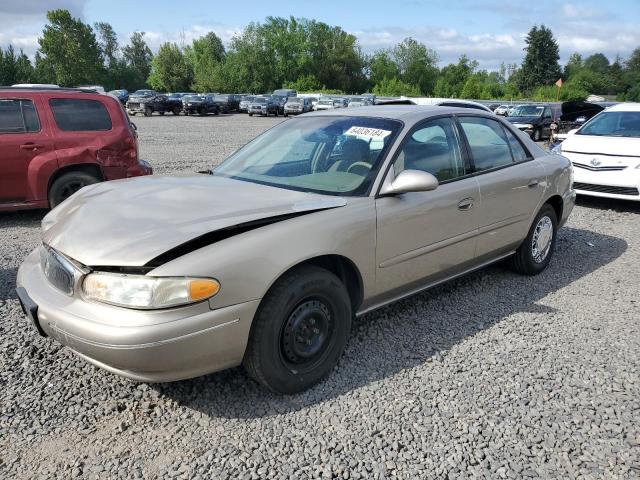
(23, 140)
(424, 236)
(511, 184)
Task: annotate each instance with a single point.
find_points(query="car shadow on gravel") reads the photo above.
(410, 332)
(7, 284)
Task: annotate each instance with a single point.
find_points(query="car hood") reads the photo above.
(592, 144)
(523, 119)
(131, 222)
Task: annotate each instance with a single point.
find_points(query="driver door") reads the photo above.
(426, 236)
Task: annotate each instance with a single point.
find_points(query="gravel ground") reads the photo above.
(494, 375)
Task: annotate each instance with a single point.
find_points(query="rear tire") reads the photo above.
(148, 112)
(537, 135)
(67, 184)
(300, 330)
(535, 253)
(176, 111)
(161, 113)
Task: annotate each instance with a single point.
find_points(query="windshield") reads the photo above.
(143, 93)
(613, 124)
(326, 102)
(259, 100)
(192, 98)
(248, 99)
(330, 155)
(357, 99)
(527, 111)
(294, 100)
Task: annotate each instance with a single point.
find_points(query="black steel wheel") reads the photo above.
(300, 330)
(67, 184)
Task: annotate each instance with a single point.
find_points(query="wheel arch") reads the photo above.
(558, 206)
(90, 168)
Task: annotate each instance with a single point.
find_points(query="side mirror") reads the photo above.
(411, 181)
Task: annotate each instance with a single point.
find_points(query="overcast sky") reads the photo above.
(491, 31)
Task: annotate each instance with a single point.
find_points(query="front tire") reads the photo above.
(68, 184)
(176, 111)
(300, 330)
(537, 135)
(534, 255)
(148, 112)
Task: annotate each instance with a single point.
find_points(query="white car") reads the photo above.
(502, 110)
(605, 153)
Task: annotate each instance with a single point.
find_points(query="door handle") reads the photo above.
(533, 183)
(465, 204)
(30, 146)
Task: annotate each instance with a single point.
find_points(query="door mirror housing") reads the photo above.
(411, 181)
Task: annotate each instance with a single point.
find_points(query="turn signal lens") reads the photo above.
(203, 288)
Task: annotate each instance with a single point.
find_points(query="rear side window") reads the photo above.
(488, 143)
(18, 116)
(518, 151)
(80, 115)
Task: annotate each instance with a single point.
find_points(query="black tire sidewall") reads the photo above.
(55, 191)
(272, 316)
(529, 263)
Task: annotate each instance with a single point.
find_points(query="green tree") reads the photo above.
(416, 64)
(205, 55)
(70, 48)
(382, 66)
(306, 83)
(8, 66)
(24, 69)
(573, 66)
(472, 88)
(597, 63)
(137, 61)
(392, 87)
(452, 77)
(170, 72)
(540, 65)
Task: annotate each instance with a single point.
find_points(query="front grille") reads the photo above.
(615, 168)
(57, 270)
(590, 187)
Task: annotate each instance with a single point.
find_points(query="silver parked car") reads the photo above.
(265, 261)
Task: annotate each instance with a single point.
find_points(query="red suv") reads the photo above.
(53, 142)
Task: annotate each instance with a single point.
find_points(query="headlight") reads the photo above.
(143, 292)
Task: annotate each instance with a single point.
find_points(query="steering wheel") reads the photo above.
(359, 164)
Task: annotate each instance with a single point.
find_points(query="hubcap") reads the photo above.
(307, 333)
(541, 241)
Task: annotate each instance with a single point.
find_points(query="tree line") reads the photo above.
(307, 55)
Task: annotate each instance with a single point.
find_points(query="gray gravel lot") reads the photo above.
(494, 375)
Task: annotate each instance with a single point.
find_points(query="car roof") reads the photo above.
(625, 107)
(407, 113)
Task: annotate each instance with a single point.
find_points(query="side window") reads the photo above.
(80, 115)
(488, 143)
(433, 148)
(18, 116)
(518, 151)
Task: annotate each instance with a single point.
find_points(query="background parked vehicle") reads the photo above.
(297, 105)
(535, 120)
(200, 105)
(243, 106)
(358, 102)
(502, 110)
(285, 92)
(264, 106)
(122, 95)
(174, 101)
(55, 141)
(147, 102)
(605, 153)
(324, 103)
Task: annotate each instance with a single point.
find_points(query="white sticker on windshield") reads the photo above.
(367, 132)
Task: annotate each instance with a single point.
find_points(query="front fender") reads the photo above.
(247, 265)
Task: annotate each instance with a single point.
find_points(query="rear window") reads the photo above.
(18, 116)
(80, 115)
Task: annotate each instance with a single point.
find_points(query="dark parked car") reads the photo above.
(53, 142)
(228, 102)
(535, 120)
(263, 106)
(200, 104)
(174, 101)
(122, 95)
(149, 101)
(297, 105)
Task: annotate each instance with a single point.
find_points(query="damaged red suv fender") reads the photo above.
(55, 141)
